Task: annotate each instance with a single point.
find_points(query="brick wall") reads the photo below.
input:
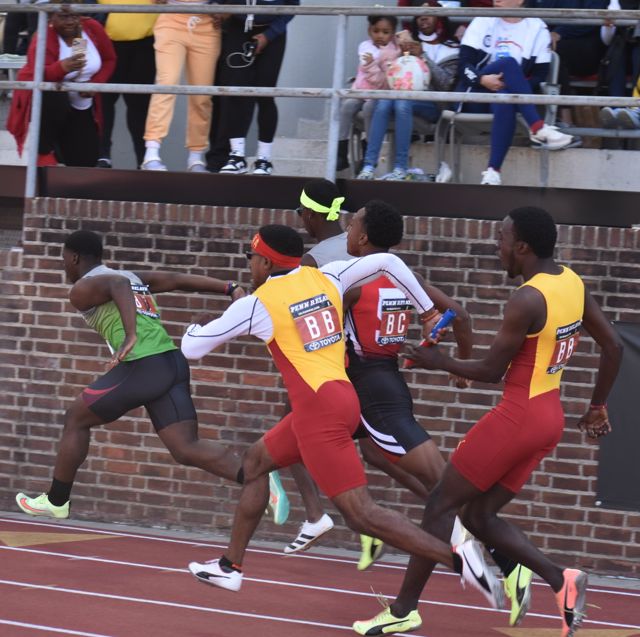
(47, 355)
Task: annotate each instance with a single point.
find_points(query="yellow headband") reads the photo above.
(333, 213)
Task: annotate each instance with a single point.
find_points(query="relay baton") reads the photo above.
(445, 321)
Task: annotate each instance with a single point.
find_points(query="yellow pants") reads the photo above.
(191, 41)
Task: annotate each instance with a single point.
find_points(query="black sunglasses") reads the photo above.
(300, 210)
(249, 255)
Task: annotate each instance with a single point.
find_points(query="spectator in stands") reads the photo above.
(507, 55)
(253, 49)
(431, 41)
(78, 50)
(580, 46)
(374, 54)
(628, 118)
(132, 37)
(14, 25)
(191, 40)
(628, 65)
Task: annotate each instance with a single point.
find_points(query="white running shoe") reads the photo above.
(211, 573)
(477, 574)
(491, 177)
(551, 138)
(309, 533)
(444, 173)
(367, 172)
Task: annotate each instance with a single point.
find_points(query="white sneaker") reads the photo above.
(609, 117)
(397, 174)
(367, 172)
(153, 164)
(211, 573)
(551, 138)
(476, 573)
(491, 177)
(309, 533)
(197, 167)
(629, 118)
(444, 173)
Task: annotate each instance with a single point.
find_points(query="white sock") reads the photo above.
(264, 150)
(195, 157)
(152, 152)
(237, 146)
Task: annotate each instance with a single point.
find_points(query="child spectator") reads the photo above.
(373, 56)
(430, 41)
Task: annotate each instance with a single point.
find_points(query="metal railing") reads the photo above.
(335, 93)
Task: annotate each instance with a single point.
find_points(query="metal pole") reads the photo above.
(36, 109)
(334, 109)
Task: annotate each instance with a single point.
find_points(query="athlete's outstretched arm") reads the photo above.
(357, 272)
(595, 422)
(97, 290)
(525, 307)
(246, 316)
(172, 281)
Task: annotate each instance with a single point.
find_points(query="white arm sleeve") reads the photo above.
(355, 273)
(246, 316)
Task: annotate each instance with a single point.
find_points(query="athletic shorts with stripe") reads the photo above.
(318, 432)
(386, 405)
(507, 444)
(159, 383)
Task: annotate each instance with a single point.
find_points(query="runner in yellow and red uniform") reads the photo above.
(538, 335)
(297, 311)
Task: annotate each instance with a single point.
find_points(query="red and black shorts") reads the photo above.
(159, 383)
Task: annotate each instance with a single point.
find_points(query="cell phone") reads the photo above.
(78, 47)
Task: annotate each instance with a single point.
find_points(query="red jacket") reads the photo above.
(20, 112)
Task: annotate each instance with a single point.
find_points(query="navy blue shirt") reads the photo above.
(277, 23)
(573, 30)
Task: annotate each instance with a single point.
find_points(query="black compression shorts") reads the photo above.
(385, 404)
(160, 383)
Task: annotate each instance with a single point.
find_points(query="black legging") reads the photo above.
(15, 23)
(70, 133)
(136, 64)
(236, 113)
(578, 56)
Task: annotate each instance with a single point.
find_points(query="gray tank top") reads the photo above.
(331, 249)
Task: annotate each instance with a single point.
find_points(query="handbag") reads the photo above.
(408, 73)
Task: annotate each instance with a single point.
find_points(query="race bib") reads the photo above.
(317, 322)
(566, 343)
(394, 319)
(145, 304)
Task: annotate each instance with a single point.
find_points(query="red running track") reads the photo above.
(58, 578)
